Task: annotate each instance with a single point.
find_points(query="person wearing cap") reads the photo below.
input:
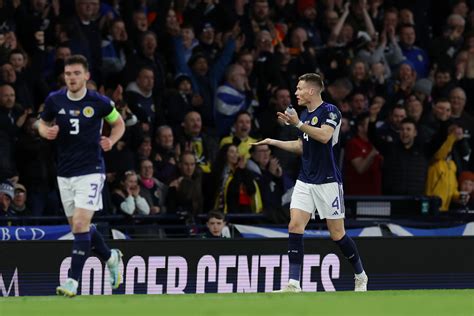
(422, 90)
(19, 200)
(6, 198)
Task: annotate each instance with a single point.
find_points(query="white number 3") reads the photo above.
(75, 126)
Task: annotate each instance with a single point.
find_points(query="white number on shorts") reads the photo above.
(305, 136)
(335, 203)
(75, 126)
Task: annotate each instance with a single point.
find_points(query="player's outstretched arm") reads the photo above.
(47, 130)
(294, 146)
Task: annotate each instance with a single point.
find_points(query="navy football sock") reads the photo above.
(295, 255)
(98, 244)
(80, 252)
(349, 249)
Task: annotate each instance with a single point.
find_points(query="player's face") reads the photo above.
(76, 77)
(215, 226)
(304, 92)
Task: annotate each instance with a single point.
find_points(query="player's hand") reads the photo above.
(106, 143)
(266, 141)
(52, 132)
(291, 118)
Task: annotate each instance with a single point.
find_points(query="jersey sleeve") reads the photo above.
(109, 113)
(331, 117)
(49, 112)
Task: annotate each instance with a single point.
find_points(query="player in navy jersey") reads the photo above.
(74, 118)
(319, 184)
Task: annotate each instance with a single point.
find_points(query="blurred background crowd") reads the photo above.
(197, 81)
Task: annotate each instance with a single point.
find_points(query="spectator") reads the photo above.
(231, 99)
(116, 50)
(270, 126)
(363, 163)
(126, 197)
(233, 187)
(164, 154)
(185, 192)
(12, 118)
(445, 47)
(196, 141)
(86, 36)
(181, 101)
(241, 135)
(216, 226)
(153, 190)
(205, 77)
(442, 180)
(37, 170)
(414, 54)
(271, 181)
(405, 162)
(442, 83)
(143, 102)
(24, 96)
(6, 197)
(390, 130)
(266, 66)
(19, 201)
(466, 191)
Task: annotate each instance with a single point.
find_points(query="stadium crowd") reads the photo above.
(198, 81)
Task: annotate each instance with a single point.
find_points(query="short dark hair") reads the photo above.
(77, 60)
(215, 214)
(441, 99)
(313, 78)
(408, 120)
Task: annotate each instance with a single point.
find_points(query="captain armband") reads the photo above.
(113, 116)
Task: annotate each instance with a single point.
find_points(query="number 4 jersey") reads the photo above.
(80, 124)
(319, 161)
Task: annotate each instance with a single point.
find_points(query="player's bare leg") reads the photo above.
(298, 221)
(349, 249)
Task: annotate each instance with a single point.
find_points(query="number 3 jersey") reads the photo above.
(80, 126)
(319, 161)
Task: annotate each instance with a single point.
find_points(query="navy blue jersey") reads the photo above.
(319, 161)
(80, 127)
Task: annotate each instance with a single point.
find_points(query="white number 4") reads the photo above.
(75, 126)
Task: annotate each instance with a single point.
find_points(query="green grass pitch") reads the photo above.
(399, 303)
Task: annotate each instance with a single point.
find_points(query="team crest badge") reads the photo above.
(314, 120)
(88, 112)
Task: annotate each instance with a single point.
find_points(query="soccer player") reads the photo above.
(319, 184)
(74, 117)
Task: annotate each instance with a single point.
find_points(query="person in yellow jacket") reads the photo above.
(441, 180)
